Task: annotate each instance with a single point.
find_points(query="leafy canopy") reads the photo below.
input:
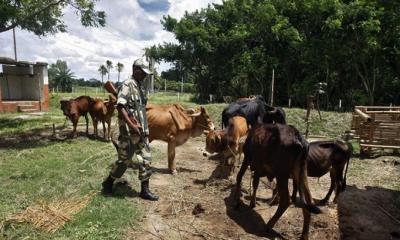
(44, 17)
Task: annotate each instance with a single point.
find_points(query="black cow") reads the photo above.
(254, 110)
(278, 151)
(274, 115)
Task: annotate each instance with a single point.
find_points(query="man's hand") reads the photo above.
(134, 126)
(134, 129)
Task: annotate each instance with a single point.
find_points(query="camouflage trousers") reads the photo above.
(130, 146)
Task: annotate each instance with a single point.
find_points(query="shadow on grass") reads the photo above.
(123, 190)
(40, 137)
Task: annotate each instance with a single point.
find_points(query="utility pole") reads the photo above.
(272, 88)
(15, 46)
(181, 78)
(152, 76)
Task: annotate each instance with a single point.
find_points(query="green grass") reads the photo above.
(169, 97)
(45, 170)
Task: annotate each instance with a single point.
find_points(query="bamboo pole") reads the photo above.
(364, 116)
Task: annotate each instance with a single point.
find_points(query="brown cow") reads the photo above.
(74, 108)
(279, 151)
(228, 142)
(323, 157)
(174, 126)
(103, 111)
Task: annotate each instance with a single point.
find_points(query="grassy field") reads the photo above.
(36, 168)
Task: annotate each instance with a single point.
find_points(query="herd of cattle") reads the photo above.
(271, 148)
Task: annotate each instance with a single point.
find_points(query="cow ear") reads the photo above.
(190, 111)
(205, 132)
(202, 109)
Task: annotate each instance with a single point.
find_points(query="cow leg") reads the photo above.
(338, 183)
(75, 123)
(333, 183)
(171, 157)
(239, 178)
(231, 162)
(109, 129)
(104, 129)
(256, 182)
(294, 192)
(275, 196)
(284, 202)
(95, 127)
(87, 124)
(299, 178)
(306, 224)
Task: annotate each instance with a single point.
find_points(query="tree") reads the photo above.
(109, 65)
(61, 76)
(120, 67)
(231, 49)
(103, 71)
(45, 17)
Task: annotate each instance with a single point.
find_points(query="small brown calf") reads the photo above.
(103, 111)
(74, 108)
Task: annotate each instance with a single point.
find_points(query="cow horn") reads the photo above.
(195, 114)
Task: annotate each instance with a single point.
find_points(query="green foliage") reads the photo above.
(45, 17)
(103, 71)
(109, 65)
(60, 76)
(231, 49)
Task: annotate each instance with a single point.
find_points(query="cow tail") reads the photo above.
(303, 168)
(349, 152)
(115, 144)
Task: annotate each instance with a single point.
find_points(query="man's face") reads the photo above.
(138, 73)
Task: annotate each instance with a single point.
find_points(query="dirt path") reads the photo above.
(196, 204)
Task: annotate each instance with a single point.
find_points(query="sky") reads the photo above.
(132, 25)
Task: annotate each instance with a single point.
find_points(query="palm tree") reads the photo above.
(109, 66)
(61, 75)
(120, 66)
(103, 71)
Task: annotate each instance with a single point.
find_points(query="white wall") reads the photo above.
(17, 84)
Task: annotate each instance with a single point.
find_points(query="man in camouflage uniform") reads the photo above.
(133, 132)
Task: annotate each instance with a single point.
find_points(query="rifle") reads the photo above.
(109, 86)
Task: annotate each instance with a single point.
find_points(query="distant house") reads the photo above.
(23, 86)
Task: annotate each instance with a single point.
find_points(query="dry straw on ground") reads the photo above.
(49, 217)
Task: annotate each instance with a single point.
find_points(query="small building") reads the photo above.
(24, 86)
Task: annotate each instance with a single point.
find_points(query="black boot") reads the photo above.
(107, 185)
(145, 192)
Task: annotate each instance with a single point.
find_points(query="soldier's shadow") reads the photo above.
(123, 190)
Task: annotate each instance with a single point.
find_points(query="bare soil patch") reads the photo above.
(198, 204)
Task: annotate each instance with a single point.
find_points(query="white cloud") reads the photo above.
(131, 26)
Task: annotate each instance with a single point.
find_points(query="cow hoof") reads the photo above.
(174, 172)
